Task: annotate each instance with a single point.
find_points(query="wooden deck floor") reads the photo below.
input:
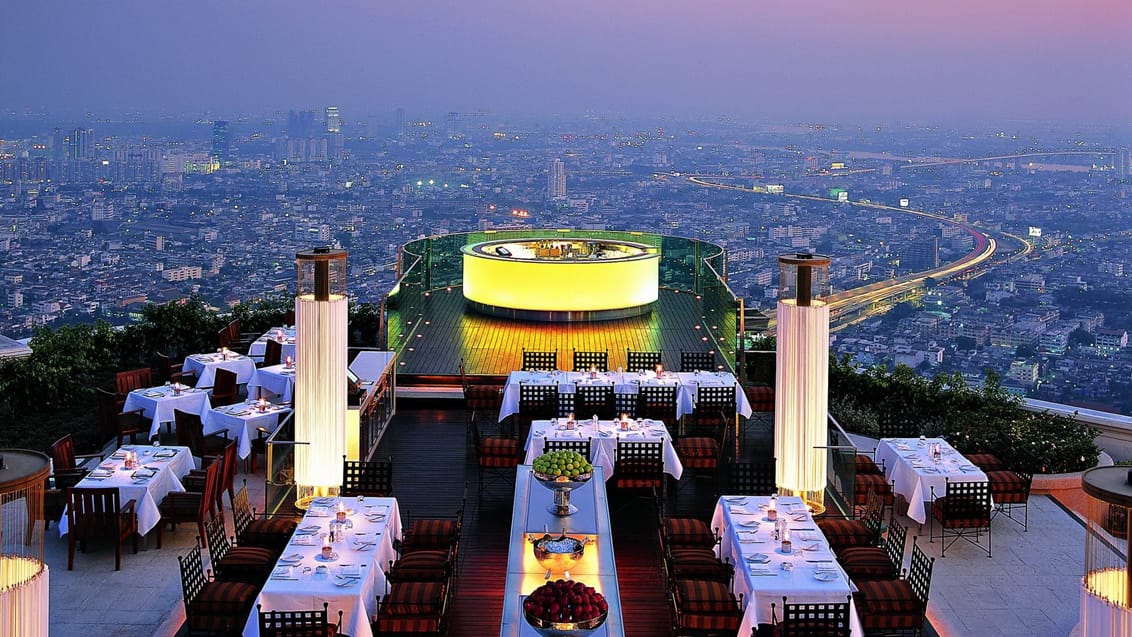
(432, 464)
(446, 332)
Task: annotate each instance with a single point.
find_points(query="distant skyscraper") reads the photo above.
(300, 124)
(556, 180)
(221, 142)
(1122, 161)
(333, 120)
(82, 144)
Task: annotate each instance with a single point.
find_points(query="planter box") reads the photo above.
(1066, 487)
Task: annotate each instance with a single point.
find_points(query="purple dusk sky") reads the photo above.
(849, 60)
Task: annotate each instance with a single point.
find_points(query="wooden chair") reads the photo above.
(272, 353)
(297, 623)
(703, 608)
(96, 513)
(751, 478)
(271, 532)
(251, 564)
(583, 447)
(585, 361)
(639, 469)
(843, 533)
(225, 389)
(892, 605)
(64, 467)
(367, 478)
(118, 423)
(811, 619)
(195, 479)
(190, 433)
(190, 506)
(871, 562)
(496, 454)
(174, 372)
(962, 512)
(641, 361)
(537, 361)
(212, 607)
(130, 380)
(594, 399)
(692, 361)
(657, 402)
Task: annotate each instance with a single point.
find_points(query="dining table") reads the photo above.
(158, 403)
(350, 579)
(285, 336)
(687, 386)
(242, 420)
(766, 570)
(604, 436)
(159, 471)
(204, 367)
(277, 379)
(916, 471)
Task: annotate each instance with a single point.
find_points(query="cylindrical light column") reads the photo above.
(23, 573)
(1106, 589)
(801, 394)
(320, 372)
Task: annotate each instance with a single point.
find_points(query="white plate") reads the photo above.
(826, 576)
(758, 558)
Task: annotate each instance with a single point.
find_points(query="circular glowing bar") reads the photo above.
(558, 279)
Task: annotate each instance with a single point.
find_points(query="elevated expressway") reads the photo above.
(859, 303)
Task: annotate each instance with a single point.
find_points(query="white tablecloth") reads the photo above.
(744, 531)
(308, 590)
(277, 379)
(205, 366)
(687, 385)
(241, 420)
(158, 404)
(285, 336)
(603, 444)
(147, 493)
(915, 472)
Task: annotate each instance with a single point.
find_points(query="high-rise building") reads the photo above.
(300, 124)
(1122, 162)
(556, 180)
(221, 142)
(82, 144)
(333, 120)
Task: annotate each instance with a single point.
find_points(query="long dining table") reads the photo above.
(604, 436)
(764, 574)
(351, 580)
(687, 386)
(159, 473)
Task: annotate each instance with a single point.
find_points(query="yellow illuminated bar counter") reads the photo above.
(532, 516)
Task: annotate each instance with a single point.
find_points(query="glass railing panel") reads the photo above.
(841, 467)
(279, 486)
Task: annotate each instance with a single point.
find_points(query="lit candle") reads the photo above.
(624, 422)
(327, 552)
(659, 370)
(224, 353)
(787, 546)
(341, 512)
(263, 404)
(772, 511)
(289, 362)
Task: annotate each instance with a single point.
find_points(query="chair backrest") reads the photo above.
(691, 361)
(716, 398)
(538, 401)
(594, 399)
(93, 512)
(371, 478)
(223, 339)
(227, 478)
(130, 380)
(581, 446)
(234, 328)
(752, 478)
(63, 453)
(830, 619)
(584, 361)
(242, 516)
(218, 544)
(536, 361)
(873, 517)
(211, 487)
(566, 403)
(657, 401)
(920, 574)
(639, 459)
(108, 411)
(192, 576)
(293, 623)
(190, 431)
(224, 387)
(165, 366)
(464, 385)
(641, 361)
(967, 501)
(625, 404)
(895, 543)
(273, 352)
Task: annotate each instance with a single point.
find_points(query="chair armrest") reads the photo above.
(128, 509)
(192, 496)
(140, 412)
(100, 456)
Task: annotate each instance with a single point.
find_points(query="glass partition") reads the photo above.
(279, 486)
(841, 468)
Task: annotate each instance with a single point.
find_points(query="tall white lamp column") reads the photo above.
(801, 394)
(320, 372)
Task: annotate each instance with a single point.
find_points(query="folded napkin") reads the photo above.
(349, 570)
(100, 473)
(740, 510)
(165, 453)
(319, 512)
(153, 394)
(143, 474)
(758, 558)
(808, 536)
(303, 539)
(284, 572)
(376, 516)
(310, 529)
(761, 569)
(293, 558)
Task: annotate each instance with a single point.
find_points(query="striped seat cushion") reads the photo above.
(395, 624)
(761, 398)
(1007, 487)
(842, 533)
(721, 622)
(421, 566)
(698, 452)
(637, 483)
(247, 563)
(875, 482)
(865, 465)
(888, 604)
(867, 562)
(272, 533)
(430, 533)
(219, 604)
(965, 516)
(704, 597)
(985, 461)
(493, 446)
(413, 598)
(698, 563)
(498, 461)
(687, 532)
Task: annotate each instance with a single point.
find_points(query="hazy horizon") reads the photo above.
(867, 61)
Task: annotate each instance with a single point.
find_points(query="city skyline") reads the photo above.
(957, 62)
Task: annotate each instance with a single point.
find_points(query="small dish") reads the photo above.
(758, 558)
(333, 557)
(294, 558)
(825, 576)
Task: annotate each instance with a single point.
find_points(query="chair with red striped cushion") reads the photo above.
(298, 623)
(864, 483)
(813, 619)
(843, 533)
(433, 565)
(896, 604)
(704, 607)
(694, 563)
(497, 454)
(272, 532)
(412, 607)
(985, 461)
(686, 532)
(962, 512)
(639, 468)
(1009, 491)
(866, 465)
(213, 607)
(251, 564)
(698, 452)
(871, 562)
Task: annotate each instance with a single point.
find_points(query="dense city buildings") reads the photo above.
(101, 217)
